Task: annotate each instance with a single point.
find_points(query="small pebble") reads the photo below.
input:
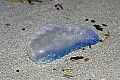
(29, 13)
(86, 59)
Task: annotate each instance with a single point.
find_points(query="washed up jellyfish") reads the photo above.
(57, 40)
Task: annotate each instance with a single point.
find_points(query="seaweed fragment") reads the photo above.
(67, 70)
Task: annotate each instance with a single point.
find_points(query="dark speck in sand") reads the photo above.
(93, 21)
(101, 40)
(83, 48)
(86, 19)
(23, 29)
(98, 27)
(54, 69)
(7, 24)
(104, 24)
(17, 70)
(76, 58)
(67, 76)
(58, 6)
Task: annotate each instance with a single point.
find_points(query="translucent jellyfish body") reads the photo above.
(56, 40)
